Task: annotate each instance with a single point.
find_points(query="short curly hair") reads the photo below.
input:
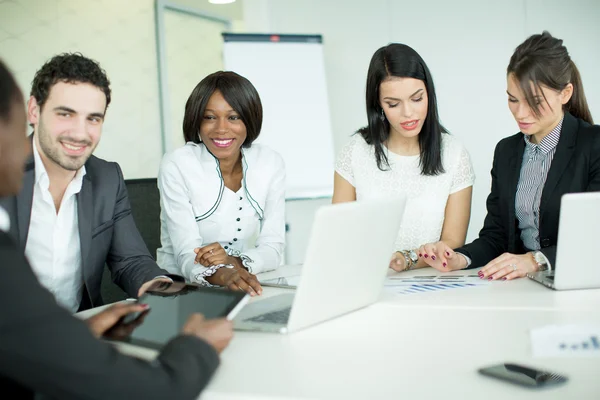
(68, 68)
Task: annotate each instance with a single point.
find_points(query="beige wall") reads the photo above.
(194, 50)
(120, 35)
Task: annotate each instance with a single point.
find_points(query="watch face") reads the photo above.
(540, 259)
(413, 256)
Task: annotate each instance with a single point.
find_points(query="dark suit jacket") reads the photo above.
(44, 349)
(575, 168)
(107, 231)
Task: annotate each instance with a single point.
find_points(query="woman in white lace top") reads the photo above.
(405, 152)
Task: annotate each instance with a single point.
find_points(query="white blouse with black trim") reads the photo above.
(197, 209)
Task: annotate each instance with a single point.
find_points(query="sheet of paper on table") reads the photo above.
(431, 283)
(581, 340)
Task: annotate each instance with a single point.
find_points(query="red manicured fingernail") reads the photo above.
(448, 253)
(444, 264)
(426, 256)
(503, 278)
(145, 306)
(433, 258)
(420, 255)
(490, 278)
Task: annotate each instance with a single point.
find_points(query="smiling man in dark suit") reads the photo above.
(73, 215)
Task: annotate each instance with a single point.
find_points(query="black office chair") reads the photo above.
(145, 207)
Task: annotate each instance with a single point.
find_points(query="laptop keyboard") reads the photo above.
(274, 317)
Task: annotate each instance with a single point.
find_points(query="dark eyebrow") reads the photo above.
(393, 98)
(65, 109)
(71, 111)
(537, 96)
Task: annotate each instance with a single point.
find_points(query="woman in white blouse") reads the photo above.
(222, 197)
(405, 152)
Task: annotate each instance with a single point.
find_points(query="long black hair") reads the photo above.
(544, 60)
(399, 60)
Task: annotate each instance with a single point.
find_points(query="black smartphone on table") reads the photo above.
(522, 375)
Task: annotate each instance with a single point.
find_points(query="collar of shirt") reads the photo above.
(41, 175)
(4, 220)
(548, 143)
(214, 187)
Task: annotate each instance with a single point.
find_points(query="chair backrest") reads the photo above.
(145, 207)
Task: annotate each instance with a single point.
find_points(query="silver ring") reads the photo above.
(514, 267)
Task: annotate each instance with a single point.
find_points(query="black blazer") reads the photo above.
(575, 168)
(44, 349)
(107, 231)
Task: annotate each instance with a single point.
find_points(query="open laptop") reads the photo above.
(578, 234)
(345, 266)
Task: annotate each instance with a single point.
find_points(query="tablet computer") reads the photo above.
(171, 304)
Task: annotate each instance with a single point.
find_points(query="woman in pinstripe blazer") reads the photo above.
(557, 151)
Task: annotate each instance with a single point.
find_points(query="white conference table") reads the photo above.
(385, 352)
(419, 346)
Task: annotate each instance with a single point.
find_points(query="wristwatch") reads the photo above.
(411, 259)
(541, 260)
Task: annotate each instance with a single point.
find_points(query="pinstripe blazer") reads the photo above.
(575, 168)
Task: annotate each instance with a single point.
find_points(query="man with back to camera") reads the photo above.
(45, 350)
(73, 215)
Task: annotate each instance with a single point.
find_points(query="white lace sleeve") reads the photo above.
(464, 175)
(343, 165)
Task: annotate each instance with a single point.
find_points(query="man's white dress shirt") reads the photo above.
(53, 246)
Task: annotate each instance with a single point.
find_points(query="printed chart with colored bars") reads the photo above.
(575, 340)
(427, 283)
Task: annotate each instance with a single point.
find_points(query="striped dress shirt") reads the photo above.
(537, 159)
